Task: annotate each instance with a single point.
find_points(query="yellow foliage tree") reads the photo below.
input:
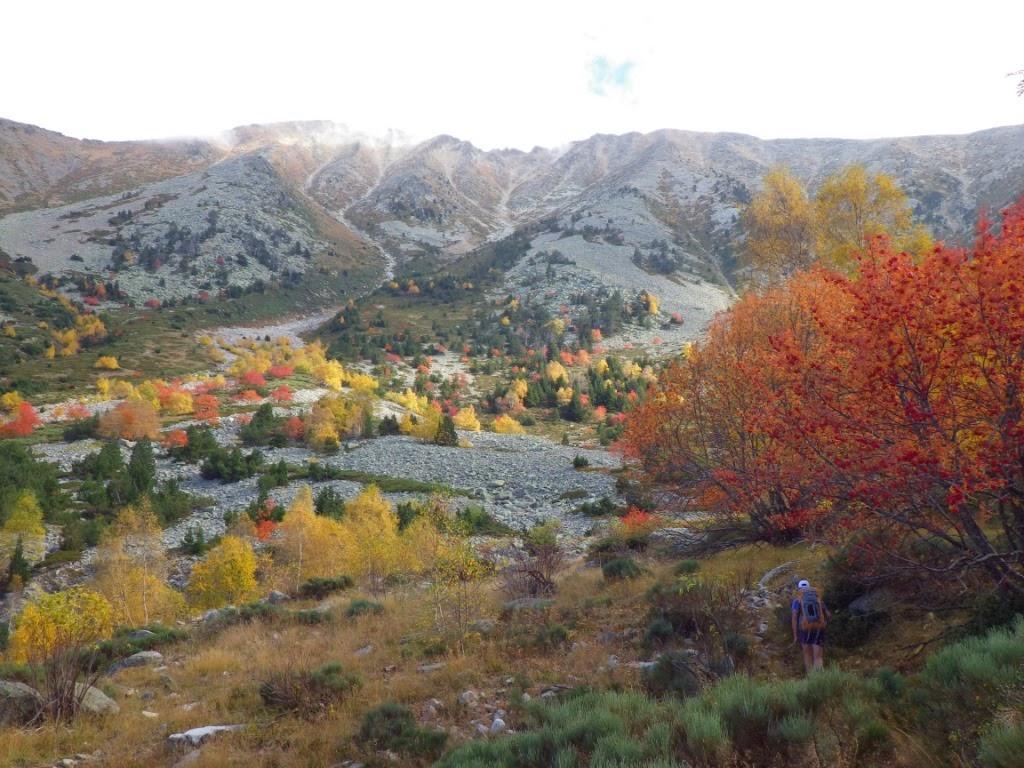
(61, 621)
(853, 206)
(506, 425)
(25, 522)
(107, 363)
(310, 546)
(601, 367)
(555, 371)
(66, 341)
(650, 302)
(10, 401)
(226, 575)
(780, 226)
(456, 586)
(563, 395)
(131, 569)
(786, 231)
(10, 331)
(372, 528)
(467, 419)
(50, 352)
(519, 387)
(423, 426)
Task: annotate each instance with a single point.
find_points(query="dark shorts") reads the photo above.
(811, 636)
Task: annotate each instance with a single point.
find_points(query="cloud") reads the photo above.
(606, 77)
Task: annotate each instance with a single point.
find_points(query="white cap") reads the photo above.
(803, 584)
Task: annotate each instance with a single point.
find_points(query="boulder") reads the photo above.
(196, 736)
(96, 702)
(497, 726)
(140, 659)
(19, 703)
(276, 597)
(482, 626)
(140, 634)
(468, 698)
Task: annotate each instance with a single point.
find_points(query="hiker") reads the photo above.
(809, 617)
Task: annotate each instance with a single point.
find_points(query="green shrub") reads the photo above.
(1002, 747)
(477, 521)
(312, 616)
(794, 729)
(580, 462)
(673, 674)
(318, 589)
(736, 645)
(308, 693)
(601, 508)
(362, 607)
(687, 567)
(551, 636)
(659, 631)
(392, 727)
(621, 569)
(703, 730)
(83, 429)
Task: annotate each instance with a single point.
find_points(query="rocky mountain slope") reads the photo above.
(667, 201)
(43, 168)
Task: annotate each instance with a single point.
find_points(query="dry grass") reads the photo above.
(214, 677)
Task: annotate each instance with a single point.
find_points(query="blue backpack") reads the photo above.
(812, 612)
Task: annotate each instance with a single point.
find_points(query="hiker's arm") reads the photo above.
(792, 616)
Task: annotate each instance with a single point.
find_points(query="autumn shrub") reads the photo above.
(58, 634)
(309, 694)
(393, 727)
(131, 420)
(319, 588)
(226, 575)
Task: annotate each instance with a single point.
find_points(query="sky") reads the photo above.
(516, 74)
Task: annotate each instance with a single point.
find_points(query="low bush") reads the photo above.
(477, 521)
(580, 462)
(83, 429)
(318, 589)
(621, 569)
(362, 607)
(658, 632)
(687, 567)
(308, 694)
(392, 727)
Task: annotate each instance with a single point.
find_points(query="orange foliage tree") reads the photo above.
(131, 420)
(23, 422)
(887, 404)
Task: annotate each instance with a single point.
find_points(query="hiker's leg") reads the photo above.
(808, 657)
(819, 656)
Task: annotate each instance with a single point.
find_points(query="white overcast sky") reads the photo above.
(517, 73)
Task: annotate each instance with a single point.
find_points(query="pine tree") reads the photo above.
(446, 434)
(18, 570)
(142, 468)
